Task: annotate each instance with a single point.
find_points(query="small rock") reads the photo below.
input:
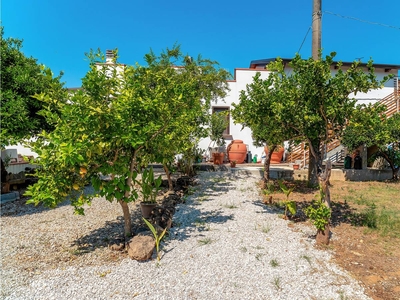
(117, 247)
(141, 247)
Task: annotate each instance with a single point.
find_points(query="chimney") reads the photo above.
(109, 57)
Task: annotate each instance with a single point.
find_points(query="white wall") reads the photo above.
(245, 76)
(22, 150)
(242, 78)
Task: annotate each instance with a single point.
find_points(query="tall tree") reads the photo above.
(370, 126)
(188, 124)
(316, 101)
(110, 126)
(309, 103)
(256, 110)
(22, 77)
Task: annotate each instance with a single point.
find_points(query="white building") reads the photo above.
(242, 77)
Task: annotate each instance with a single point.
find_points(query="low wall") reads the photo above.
(350, 174)
(17, 167)
(287, 173)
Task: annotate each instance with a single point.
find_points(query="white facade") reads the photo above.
(242, 77)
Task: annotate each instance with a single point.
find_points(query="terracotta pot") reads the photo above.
(5, 187)
(296, 167)
(147, 208)
(277, 156)
(233, 164)
(237, 151)
(218, 158)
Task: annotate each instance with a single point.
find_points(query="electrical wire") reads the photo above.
(305, 37)
(364, 21)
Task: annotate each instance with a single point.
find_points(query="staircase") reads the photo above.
(334, 152)
(392, 101)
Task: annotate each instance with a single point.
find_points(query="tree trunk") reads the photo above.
(395, 173)
(395, 170)
(168, 173)
(4, 173)
(324, 183)
(314, 162)
(127, 219)
(267, 164)
(127, 194)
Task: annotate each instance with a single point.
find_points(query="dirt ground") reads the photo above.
(371, 258)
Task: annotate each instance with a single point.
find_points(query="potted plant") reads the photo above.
(277, 155)
(218, 125)
(149, 189)
(320, 215)
(233, 163)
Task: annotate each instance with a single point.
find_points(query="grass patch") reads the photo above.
(218, 179)
(205, 241)
(266, 229)
(190, 191)
(230, 206)
(369, 204)
(199, 222)
(277, 283)
(373, 203)
(274, 263)
(259, 256)
(307, 258)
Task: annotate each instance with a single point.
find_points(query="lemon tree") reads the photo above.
(121, 118)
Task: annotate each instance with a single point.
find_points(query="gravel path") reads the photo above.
(225, 245)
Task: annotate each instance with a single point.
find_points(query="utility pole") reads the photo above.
(316, 29)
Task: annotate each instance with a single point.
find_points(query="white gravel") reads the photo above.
(225, 245)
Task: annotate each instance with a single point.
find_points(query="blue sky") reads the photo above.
(59, 33)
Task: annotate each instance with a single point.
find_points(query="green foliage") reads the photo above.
(190, 156)
(303, 104)
(318, 212)
(269, 188)
(274, 263)
(157, 237)
(277, 283)
(122, 118)
(205, 241)
(287, 191)
(289, 205)
(369, 126)
(368, 217)
(22, 77)
(218, 124)
(149, 185)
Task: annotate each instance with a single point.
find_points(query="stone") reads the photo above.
(141, 247)
(323, 237)
(118, 247)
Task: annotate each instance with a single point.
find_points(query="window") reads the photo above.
(218, 109)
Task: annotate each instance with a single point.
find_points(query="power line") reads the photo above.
(308, 31)
(364, 21)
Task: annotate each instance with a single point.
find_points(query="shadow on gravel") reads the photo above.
(201, 222)
(19, 208)
(102, 237)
